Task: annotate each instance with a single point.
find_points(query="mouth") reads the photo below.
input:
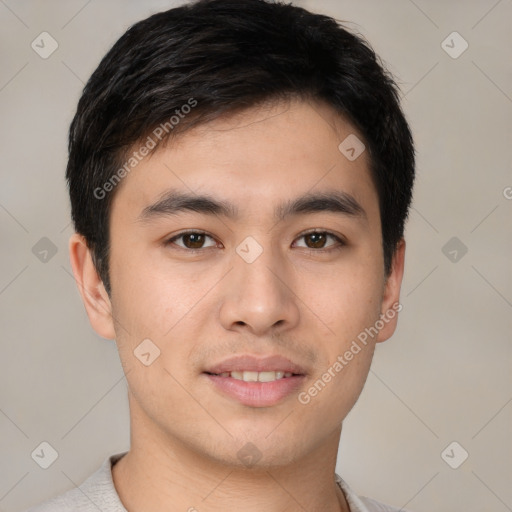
(250, 376)
(250, 368)
(256, 382)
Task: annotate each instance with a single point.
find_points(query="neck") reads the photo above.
(160, 473)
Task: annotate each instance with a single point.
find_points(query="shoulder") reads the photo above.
(361, 503)
(95, 493)
(70, 500)
(377, 506)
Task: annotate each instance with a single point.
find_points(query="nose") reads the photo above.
(258, 297)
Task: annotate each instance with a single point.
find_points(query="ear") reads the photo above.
(91, 288)
(391, 295)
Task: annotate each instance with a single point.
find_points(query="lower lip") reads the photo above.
(257, 394)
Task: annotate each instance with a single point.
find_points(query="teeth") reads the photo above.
(267, 376)
(257, 376)
(250, 376)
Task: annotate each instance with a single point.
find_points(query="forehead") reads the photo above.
(254, 159)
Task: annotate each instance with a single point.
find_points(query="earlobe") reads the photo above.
(391, 296)
(94, 296)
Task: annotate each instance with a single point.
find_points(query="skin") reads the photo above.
(201, 307)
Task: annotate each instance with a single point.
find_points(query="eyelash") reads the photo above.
(341, 242)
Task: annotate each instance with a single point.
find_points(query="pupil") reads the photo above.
(320, 239)
(198, 240)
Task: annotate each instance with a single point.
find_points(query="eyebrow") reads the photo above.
(174, 202)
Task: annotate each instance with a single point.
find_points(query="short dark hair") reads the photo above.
(221, 56)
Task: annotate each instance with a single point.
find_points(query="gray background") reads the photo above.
(445, 375)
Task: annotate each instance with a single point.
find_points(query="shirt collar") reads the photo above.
(354, 502)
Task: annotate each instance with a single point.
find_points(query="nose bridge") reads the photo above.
(258, 264)
(257, 294)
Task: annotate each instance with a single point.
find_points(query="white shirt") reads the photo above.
(98, 493)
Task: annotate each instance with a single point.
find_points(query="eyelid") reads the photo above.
(169, 241)
(339, 238)
(320, 230)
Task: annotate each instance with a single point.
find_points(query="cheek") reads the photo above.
(349, 304)
(162, 305)
(346, 300)
(148, 298)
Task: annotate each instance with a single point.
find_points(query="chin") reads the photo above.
(255, 457)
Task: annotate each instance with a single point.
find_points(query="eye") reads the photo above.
(191, 240)
(316, 240)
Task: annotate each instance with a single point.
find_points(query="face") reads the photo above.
(248, 271)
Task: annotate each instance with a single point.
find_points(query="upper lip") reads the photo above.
(256, 364)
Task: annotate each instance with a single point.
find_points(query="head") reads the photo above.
(250, 123)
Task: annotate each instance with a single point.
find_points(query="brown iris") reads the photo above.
(318, 239)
